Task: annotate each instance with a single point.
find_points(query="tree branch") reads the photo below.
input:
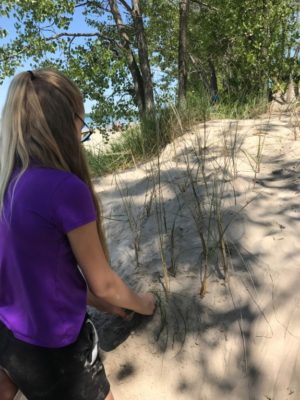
(11, 56)
(73, 35)
(202, 4)
(128, 8)
(82, 4)
(59, 35)
(92, 3)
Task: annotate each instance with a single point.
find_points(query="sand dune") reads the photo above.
(241, 340)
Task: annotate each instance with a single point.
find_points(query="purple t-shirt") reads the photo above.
(42, 291)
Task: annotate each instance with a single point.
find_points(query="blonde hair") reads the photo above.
(38, 125)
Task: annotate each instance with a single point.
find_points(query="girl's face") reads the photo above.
(79, 124)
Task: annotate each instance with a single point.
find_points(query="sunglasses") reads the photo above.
(86, 131)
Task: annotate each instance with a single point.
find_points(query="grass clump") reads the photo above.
(143, 141)
(138, 143)
(134, 145)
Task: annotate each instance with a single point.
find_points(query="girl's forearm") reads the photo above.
(119, 294)
(104, 306)
(96, 302)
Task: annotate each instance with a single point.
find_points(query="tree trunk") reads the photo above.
(182, 52)
(290, 93)
(131, 61)
(202, 75)
(141, 74)
(213, 82)
(143, 56)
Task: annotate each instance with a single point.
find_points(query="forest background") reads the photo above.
(155, 60)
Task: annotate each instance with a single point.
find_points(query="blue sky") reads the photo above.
(78, 25)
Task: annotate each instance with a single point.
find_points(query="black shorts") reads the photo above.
(73, 372)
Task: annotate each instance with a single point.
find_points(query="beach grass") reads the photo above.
(145, 140)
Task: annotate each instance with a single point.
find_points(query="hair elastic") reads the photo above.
(32, 77)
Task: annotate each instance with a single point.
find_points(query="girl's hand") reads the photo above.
(148, 303)
(115, 310)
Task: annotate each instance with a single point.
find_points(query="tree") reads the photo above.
(141, 74)
(182, 52)
(241, 44)
(111, 55)
(132, 54)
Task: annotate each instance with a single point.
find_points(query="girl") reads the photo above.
(50, 223)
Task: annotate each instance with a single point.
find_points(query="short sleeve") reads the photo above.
(73, 204)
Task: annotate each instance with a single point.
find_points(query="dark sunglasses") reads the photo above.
(86, 131)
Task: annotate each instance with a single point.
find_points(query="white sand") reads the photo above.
(241, 341)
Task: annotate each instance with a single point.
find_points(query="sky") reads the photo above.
(78, 25)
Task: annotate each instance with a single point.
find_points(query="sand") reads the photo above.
(241, 340)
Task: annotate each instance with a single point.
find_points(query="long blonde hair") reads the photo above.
(38, 125)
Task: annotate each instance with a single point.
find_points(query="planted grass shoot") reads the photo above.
(294, 119)
(211, 171)
(202, 221)
(173, 265)
(209, 167)
(231, 147)
(256, 159)
(131, 217)
(161, 220)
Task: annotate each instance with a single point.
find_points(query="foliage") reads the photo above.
(92, 57)
(246, 41)
(246, 44)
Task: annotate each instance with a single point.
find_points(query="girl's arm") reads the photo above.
(102, 305)
(102, 281)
